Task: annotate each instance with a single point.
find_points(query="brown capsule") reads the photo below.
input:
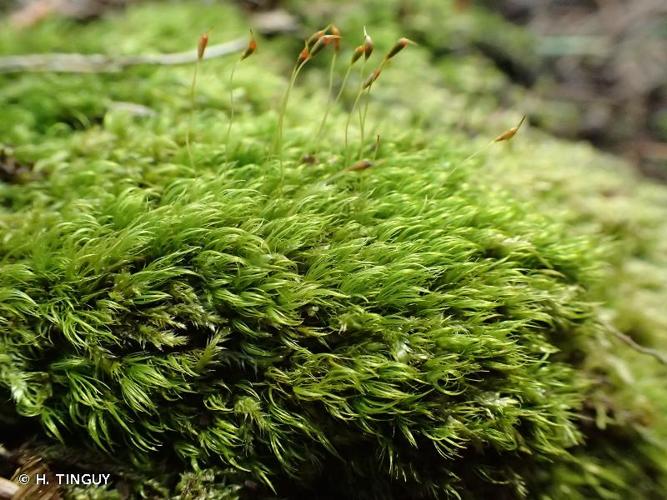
(372, 78)
(398, 46)
(303, 56)
(201, 46)
(358, 52)
(336, 32)
(322, 42)
(251, 48)
(368, 45)
(360, 165)
(312, 39)
(508, 134)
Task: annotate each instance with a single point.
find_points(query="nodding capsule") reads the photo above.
(508, 134)
(358, 52)
(336, 32)
(367, 45)
(251, 48)
(303, 56)
(201, 45)
(312, 39)
(322, 42)
(398, 46)
(372, 78)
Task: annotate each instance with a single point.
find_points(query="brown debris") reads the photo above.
(12, 171)
(360, 165)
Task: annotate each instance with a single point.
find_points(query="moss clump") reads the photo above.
(284, 331)
(241, 328)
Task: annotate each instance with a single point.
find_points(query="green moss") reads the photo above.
(428, 327)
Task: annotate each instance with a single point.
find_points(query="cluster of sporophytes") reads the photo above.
(314, 44)
(233, 325)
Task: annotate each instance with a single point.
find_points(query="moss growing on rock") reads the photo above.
(424, 328)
